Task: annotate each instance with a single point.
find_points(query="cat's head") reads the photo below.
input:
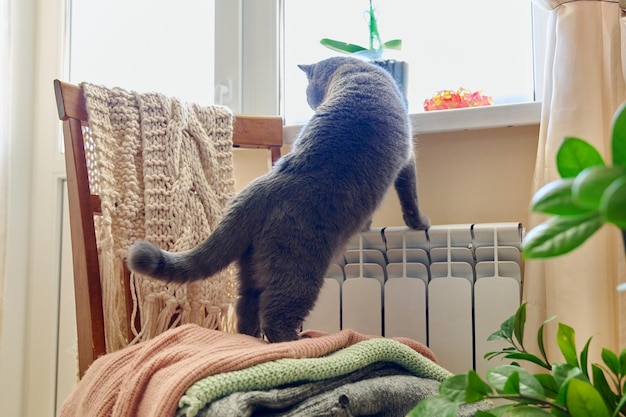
(320, 75)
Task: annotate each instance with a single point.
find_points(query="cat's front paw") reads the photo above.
(416, 220)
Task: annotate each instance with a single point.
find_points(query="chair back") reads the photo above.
(264, 132)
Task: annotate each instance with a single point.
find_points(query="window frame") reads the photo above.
(254, 70)
(247, 40)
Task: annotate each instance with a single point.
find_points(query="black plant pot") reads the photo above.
(399, 70)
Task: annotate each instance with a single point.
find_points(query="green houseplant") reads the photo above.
(565, 389)
(589, 194)
(374, 51)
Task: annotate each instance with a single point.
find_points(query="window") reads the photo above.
(145, 45)
(484, 45)
(187, 48)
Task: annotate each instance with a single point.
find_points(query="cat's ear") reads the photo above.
(308, 69)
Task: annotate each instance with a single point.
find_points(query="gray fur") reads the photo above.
(285, 227)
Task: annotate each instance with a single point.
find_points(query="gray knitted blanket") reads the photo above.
(382, 390)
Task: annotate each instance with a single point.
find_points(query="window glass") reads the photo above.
(145, 45)
(484, 45)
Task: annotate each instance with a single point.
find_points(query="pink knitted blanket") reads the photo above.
(148, 379)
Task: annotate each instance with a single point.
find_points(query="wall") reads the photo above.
(479, 176)
(474, 176)
(21, 96)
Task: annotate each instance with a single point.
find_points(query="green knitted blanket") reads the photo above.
(272, 374)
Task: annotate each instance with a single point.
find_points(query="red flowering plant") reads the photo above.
(450, 99)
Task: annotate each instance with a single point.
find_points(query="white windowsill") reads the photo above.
(488, 117)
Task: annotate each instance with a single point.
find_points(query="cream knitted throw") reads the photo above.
(163, 169)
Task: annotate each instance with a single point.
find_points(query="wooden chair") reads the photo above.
(249, 132)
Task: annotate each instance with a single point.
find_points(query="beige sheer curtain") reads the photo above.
(4, 145)
(584, 86)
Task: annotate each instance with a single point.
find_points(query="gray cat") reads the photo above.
(285, 228)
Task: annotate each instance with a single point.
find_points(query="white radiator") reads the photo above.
(449, 288)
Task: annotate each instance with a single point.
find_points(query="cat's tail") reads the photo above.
(209, 257)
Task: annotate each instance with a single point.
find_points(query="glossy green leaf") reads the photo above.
(613, 203)
(436, 405)
(500, 410)
(507, 327)
(504, 351)
(618, 137)
(343, 47)
(562, 394)
(511, 385)
(589, 186)
(611, 360)
(527, 411)
(560, 235)
(584, 358)
(602, 386)
(477, 389)
(549, 384)
(519, 323)
(556, 198)
(497, 335)
(620, 406)
(622, 361)
(528, 385)
(540, 343)
(558, 413)
(565, 338)
(395, 44)
(481, 413)
(574, 155)
(454, 388)
(584, 401)
(563, 373)
(526, 357)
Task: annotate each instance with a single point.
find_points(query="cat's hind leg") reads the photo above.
(248, 302)
(284, 307)
(248, 313)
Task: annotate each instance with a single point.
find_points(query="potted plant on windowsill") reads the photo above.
(374, 51)
(589, 194)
